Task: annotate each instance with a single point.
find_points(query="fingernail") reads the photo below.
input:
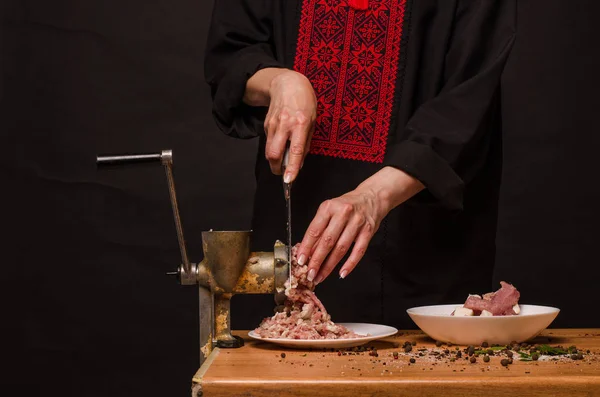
(319, 280)
(287, 178)
(343, 273)
(311, 275)
(301, 260)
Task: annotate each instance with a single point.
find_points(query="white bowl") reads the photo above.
(437, 322)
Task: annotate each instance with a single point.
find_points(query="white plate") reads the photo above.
(437, 322)
(375, 331)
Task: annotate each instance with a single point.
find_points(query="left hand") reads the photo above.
(353, 218)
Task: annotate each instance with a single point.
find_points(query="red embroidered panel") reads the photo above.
(351, 58)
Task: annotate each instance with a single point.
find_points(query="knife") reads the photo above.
(287, 191)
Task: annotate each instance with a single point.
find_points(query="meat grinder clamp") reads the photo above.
(228, 267)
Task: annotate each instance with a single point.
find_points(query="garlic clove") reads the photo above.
(463, 312)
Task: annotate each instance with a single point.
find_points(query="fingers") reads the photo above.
(360, 247)
(313, 235)
(340, 249)
(277, 138)
(298, 146)
(340, 216)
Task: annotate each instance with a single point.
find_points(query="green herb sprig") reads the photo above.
(552, 351)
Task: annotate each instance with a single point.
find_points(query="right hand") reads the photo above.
(291, 117)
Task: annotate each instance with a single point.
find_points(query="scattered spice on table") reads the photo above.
(470, 350)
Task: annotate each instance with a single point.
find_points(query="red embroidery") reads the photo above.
(351, 58)
(359, 4)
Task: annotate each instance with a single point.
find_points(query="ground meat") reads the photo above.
(499, 303)
(304, 316)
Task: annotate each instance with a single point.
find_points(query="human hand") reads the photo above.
(352, 218)
(291, 117)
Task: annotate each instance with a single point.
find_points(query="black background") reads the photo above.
(84, 263)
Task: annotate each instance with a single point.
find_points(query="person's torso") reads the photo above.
(370, 71)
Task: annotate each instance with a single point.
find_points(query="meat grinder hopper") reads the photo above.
(228, 267)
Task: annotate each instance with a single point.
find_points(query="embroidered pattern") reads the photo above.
(351, 58)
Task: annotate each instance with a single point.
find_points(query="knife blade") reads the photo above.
(287, 192)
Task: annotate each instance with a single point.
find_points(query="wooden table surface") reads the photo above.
(257, 369)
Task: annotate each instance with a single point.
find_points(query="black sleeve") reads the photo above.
(239, 44)
(444, 143)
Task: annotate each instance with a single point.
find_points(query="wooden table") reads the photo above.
(257, 369)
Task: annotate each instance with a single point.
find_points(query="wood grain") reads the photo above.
(258, 369)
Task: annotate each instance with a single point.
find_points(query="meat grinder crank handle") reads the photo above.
(187, 271)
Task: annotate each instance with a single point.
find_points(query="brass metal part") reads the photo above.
(225, 256)
(229, 268)
(205, 298)
(258, 276)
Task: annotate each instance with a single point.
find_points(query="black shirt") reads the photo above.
(408, 84)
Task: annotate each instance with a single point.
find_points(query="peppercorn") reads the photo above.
(459, 354)
(490, 352)
(580, 356)
(509, 354)
(438, 343)
(447, 351)
(396, 345)
(414, 343)
(573, 356)
(282, 355)
(407, 348)
(588, 351)
(473, 360)
(470, 350)
(535, 356)
(486, 359)
(510, 360)
(412, 361)
(504, 362)
(484, 344)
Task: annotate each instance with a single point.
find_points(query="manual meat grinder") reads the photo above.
(228, 266)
